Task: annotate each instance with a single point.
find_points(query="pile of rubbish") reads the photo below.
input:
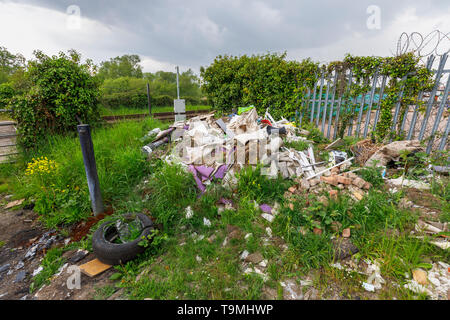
(213, 149)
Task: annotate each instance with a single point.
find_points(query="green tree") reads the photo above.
(124, 66)
(9, 64)
(62, 90)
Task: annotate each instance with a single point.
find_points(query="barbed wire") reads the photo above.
(436, 42)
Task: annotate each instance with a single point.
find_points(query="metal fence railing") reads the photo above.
(428, 121)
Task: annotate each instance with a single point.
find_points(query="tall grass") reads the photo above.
(127, 111)
(62, 196)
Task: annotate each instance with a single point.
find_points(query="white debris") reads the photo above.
(244, 255)
(401, 182)
(37, 271)
(60, 270)
(268, 217)
(368, 287)
(189, 213)
(375, 277)
(206, 222)
(306, 283)
(199, 259)
(269, 232)
(438, 282)
(248, 236)
(256, 271)
(263, 263)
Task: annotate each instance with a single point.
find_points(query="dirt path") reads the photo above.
(20, 231)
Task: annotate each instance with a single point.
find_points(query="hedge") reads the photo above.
(139, 100)
(261, 80)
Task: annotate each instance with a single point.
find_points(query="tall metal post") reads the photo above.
(148, 98)
(87, 148)
(178, 83)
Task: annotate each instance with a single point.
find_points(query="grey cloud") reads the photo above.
(194, 32)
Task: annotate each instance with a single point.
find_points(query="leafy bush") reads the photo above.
(56, 181)
(372, 175)
(266, 81)
(162, 101)
(171, 190)
(124, 99)
(6, 93)
(253, 185)
(62, 89)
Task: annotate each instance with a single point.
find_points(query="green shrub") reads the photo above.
(62, 89)
(253, 185)
(171, 190)
(124, 100)
(266, 81)
(6, 93)
(58, 185)
(162, 101)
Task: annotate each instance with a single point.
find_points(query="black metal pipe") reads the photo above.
(87, 148)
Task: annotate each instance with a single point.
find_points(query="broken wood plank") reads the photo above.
(94, 268)
(323, 171)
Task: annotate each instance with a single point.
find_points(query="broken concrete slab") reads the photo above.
(343, 248)
(393, 151)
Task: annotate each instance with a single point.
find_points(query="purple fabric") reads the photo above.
(186, 127)
(266, 208)
(203, 173)
(200, 184)
(225, 201)
(221, 172)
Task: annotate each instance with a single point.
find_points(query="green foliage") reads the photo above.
(52, 261)
(372, 175)
(61, 195)
(170, 191)
(9, 64)
(132, 92)
(253, 185)
(124, 66)
(7, 92)
(266, 81)
(271, 81)
(298, 145)
(315, 134)
(62, 89)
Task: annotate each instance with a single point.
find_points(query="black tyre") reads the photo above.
(113, 253)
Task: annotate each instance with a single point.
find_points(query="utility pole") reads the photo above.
(148, 98)
(178, 83)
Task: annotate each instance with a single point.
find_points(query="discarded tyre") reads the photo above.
(113, 253)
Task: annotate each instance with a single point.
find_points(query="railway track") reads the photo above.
(160, 116)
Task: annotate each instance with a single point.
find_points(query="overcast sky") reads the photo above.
(191, 33)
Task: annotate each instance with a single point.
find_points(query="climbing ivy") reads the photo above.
(272, 81)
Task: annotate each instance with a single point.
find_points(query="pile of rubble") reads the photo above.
(213, 149)
(347, 182)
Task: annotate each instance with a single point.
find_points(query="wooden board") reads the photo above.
(94, 268)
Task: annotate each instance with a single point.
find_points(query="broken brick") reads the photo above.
(333, 194)
(359, 182)
(367, 186)
(344, 180)
(330, 180)
(304, 184)
(346, 233)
